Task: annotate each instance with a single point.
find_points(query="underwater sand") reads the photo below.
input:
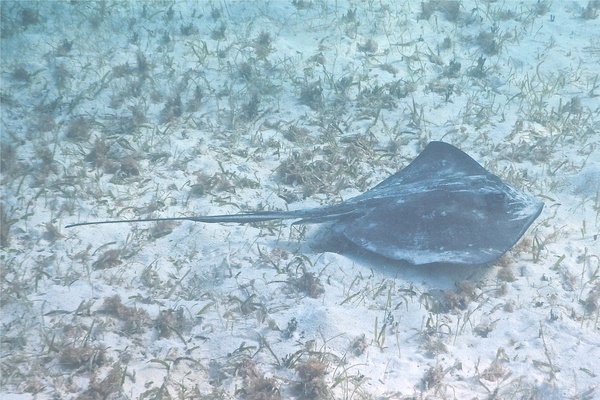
(115, 110)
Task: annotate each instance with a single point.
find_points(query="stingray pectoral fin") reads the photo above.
(399, 234)
(463, 227)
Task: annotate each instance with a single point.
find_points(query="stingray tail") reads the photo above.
(249, 217)
(209, 219)
(315, 215)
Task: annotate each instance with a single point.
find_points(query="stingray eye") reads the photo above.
(495, 199)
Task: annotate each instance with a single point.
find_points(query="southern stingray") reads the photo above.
(442, 208)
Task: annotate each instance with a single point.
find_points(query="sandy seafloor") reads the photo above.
(159, 109)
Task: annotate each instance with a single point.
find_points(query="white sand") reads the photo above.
(342, 94)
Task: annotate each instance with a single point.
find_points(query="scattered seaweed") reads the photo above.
(140, 109)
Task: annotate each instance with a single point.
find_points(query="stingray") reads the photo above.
(443, 207)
